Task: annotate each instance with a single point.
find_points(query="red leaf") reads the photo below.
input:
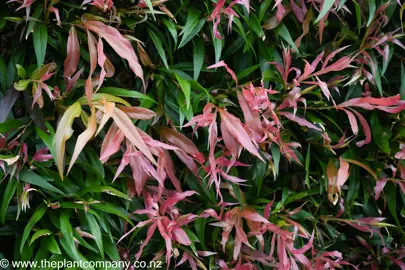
(73, 54)
(353, 121)
(42, 155)
(366, 130)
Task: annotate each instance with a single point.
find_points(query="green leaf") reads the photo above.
(21, 71)
(371, 9)
(377, 74)
(34, 19)
(198, 56)
(9, 125)
(275, 153)
(67, 240)
(36, 216)
(358, 15)
(186, 88)
(391, 197)
(254, 24)
(105, 189)
(171, 26)
(96, 232)
(380, 135)
(307, 163)
(34, 179)
(199, 225)
(247, 71)
(121, 92)
(150, 6)
(47, 139)
(327, 4)
(3, 73)
(40, 38)
(402, 87)
(40, 233)
(112, 209)
(192, 27)
(21, 85)
(50, 244)
(283, 32)
(7, 196)
(159, 47)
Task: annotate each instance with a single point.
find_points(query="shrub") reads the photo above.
(203, 134)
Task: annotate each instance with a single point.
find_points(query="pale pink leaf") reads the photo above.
(120, 45)
(56, 11)
(178, 196)
(236, 129)
(111, 143)
(301, 121)
(230, 71)
(125, 124)
(379, 187)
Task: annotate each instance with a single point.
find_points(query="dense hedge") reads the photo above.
(204, 134)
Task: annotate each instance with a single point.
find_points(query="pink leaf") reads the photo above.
(101, 61)
(300, 121)
(56, 11)
(252, 215)
(151, 231)
(138, 112)
(379, 187)
(343, 172)
(182, 142)
(130, 131)
(73, 53)
(42, 156)
(366, 130)
(230, 71)
(120, 44)
(178, 196)
(353, 121)
(111, 143)
(217, 9)
(236, 129)
(181, 237)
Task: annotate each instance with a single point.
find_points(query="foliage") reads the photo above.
(204, 134)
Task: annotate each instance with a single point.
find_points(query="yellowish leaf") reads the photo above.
(84, 137)
(63, 133)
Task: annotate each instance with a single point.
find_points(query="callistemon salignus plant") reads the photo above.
(211, 134)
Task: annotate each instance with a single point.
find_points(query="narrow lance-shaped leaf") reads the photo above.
(236, 129)
(230, 71)
(326, 6)
(121, 45)
(125, 124)
(63, 133)
(73, 53)
(40, 37)
(84, 137)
